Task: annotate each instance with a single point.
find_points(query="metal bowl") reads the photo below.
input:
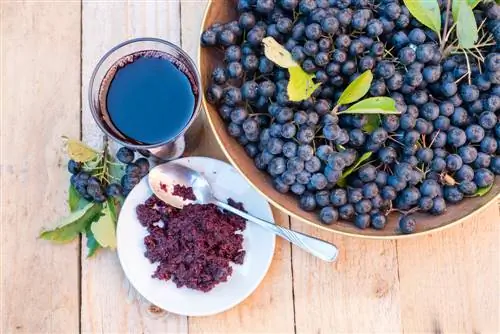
(208, 58)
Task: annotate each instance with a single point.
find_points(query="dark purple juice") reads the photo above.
(147, 98)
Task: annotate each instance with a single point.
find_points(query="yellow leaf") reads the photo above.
(301, 84)
(104, 230)
(276, 53)
(79, 151)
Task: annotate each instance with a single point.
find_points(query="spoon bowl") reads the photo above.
(163, 180)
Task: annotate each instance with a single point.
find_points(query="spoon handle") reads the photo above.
(322, 249)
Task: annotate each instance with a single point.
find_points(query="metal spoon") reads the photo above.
(162, 179)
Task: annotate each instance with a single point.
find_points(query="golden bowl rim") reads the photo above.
(299, 218)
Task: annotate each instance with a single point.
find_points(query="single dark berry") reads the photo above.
(125, 155)
(492, 62)
(488, 145)
(114, 190)
(425, 203)
(226, 37)
(143, 164)
(307, 202)
(468, 154)
(400, 39)
(483, 160)
(374, 28)
(214, 94)
(247, 20)
(449, 89)
(208, 38)
(439, 206)
(432, 73)
(407, 55)
(452, 194)
(413, 77)
(219, 75)
(74, 167)
(385, 69)
(328, 215)
(430, 188)
(488, 120)
(456, 137)
(407, 224)
(362, 221)
(417, 36)
(465, 173)
(232, 96)
(133, 169)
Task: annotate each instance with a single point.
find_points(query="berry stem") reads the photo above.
(335, 109)
(468, 67)
(433, 139)
(446, 22)
(396, 141)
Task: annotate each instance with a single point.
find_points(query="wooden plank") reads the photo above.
(270, 308)
(109, 303)
(39, 102)
(359, 293)
(449, 280)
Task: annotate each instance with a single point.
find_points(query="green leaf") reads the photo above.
(104, 229)
(372, 123)
(455, 6)
(75, 200)
(356, 89)
(467, 31)
(114, 205)
(74, 224)
(301, 84)
(426, 12)
(373, 105)
(276, 53)
(92, 244)
(483, 191)
(79, 151)
(342, 181)
(116, 171)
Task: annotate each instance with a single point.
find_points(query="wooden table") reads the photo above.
(445, 282)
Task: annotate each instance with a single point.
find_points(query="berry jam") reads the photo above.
(193, 246)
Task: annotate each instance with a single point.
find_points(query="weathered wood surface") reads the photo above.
(444, 282)
(39, 102)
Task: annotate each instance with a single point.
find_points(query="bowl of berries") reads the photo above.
(376, 119)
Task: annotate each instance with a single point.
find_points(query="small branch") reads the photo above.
(450, 31)
(446, 21)
(334, 110)
(433, 139)
(468, 67)
(460, 79)
(396, 141)
(449, 50)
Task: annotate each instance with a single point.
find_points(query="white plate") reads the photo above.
(258, 244)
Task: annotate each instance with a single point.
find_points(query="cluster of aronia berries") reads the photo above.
(96, 189)
(443, 146)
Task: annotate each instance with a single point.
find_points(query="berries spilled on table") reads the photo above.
(98, 184)
(442, 147)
